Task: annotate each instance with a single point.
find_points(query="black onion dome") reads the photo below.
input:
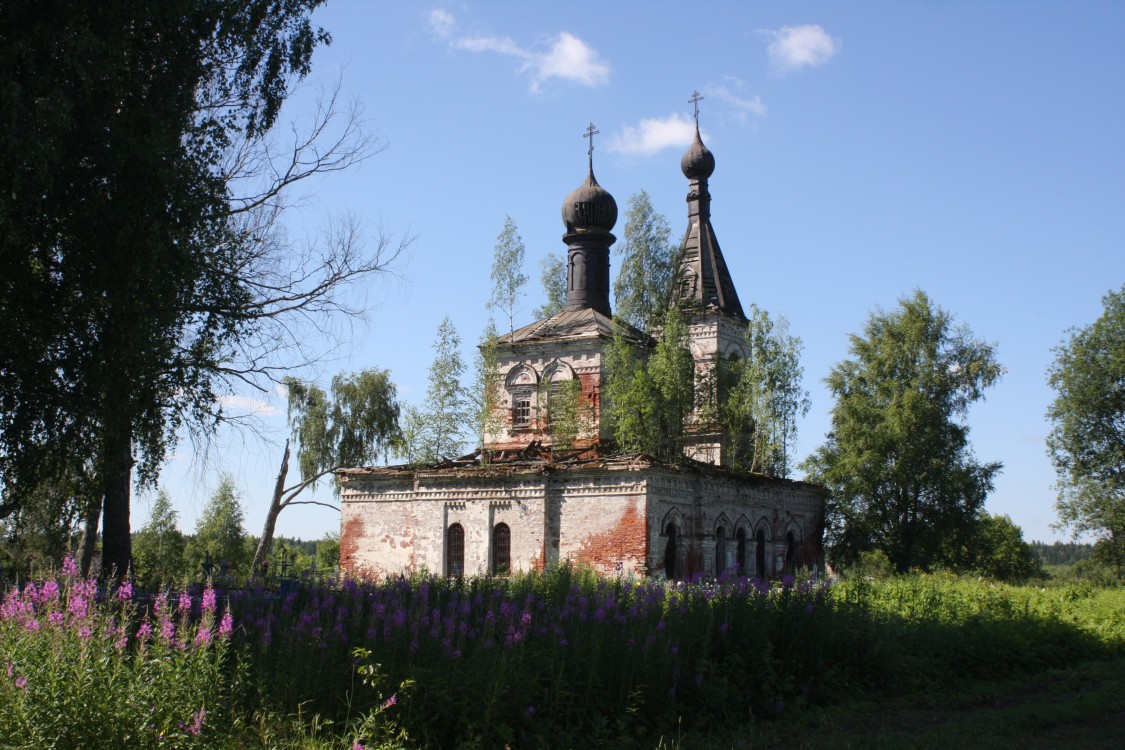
(589, 207)
(697, 163)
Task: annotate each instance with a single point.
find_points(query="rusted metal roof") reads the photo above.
(574, 324)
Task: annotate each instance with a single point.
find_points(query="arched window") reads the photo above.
(670, 553)
(455, 550)
(720, 550)
(760, 554)
(740, 553)
(790, 552)
(501, 549)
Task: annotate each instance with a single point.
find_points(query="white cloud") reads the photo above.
(743, 106)
(441, 23)
(796, 47)
(248, 406)
(571, 59)
(503, 45)
(568, 57)
(654, 134)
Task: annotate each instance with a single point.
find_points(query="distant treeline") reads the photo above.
(1062, 553)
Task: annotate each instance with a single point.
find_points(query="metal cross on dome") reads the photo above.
(695, 99)
(590, 133)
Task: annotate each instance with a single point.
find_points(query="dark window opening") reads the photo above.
(501, 549)
(720, 550)
(760, 554)
(790, 552)
(740, 552)
(670, 553)
(455, 550)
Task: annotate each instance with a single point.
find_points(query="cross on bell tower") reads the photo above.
(695, 99)
(591, 131)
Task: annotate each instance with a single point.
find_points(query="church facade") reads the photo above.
(530, 499)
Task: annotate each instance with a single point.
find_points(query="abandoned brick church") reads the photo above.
(534, 504)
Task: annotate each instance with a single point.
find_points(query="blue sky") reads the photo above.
(974, 150)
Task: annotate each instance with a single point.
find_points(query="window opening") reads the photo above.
(740, 552)
(455, 550)
(760, 554)
(720, 550)
(501, 549)
(521, 412)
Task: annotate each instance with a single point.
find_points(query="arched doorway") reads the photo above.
(671, 553)
(720, 550)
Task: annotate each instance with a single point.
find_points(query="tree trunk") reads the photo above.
(117, 546)
(89, 540)
(266, 541)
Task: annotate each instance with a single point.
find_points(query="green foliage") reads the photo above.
(507, 275)
(131, 269)
(873, 564)
(897, 462)
(997, 551)
(760, 398)
(567, 412)
(649, 399)
(328, 552)
(1088, 433)
(1061, 553)
(351, 427)
(446, 415)
(158, 548)
(219, 534)
(553, 277)
(641, 289)
(486, 396)
(46, 526)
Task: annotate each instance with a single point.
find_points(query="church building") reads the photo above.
(524, 502)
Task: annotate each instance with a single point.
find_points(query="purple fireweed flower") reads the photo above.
(84, 632)
(197, 723)
(144, 632)
(30, 593)
(209, 599)
(21, 682)
(69, 567)
(121, 642)
(125, 593)
(160, 603)
(167, 631)
(184, 603)
(390, 701)
(203, 637)
(56, 618)
(787, 581)
(357, 746)
(31, 625)
(226, 625)
(78, 606)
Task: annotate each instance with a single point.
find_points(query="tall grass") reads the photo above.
(561, 658)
